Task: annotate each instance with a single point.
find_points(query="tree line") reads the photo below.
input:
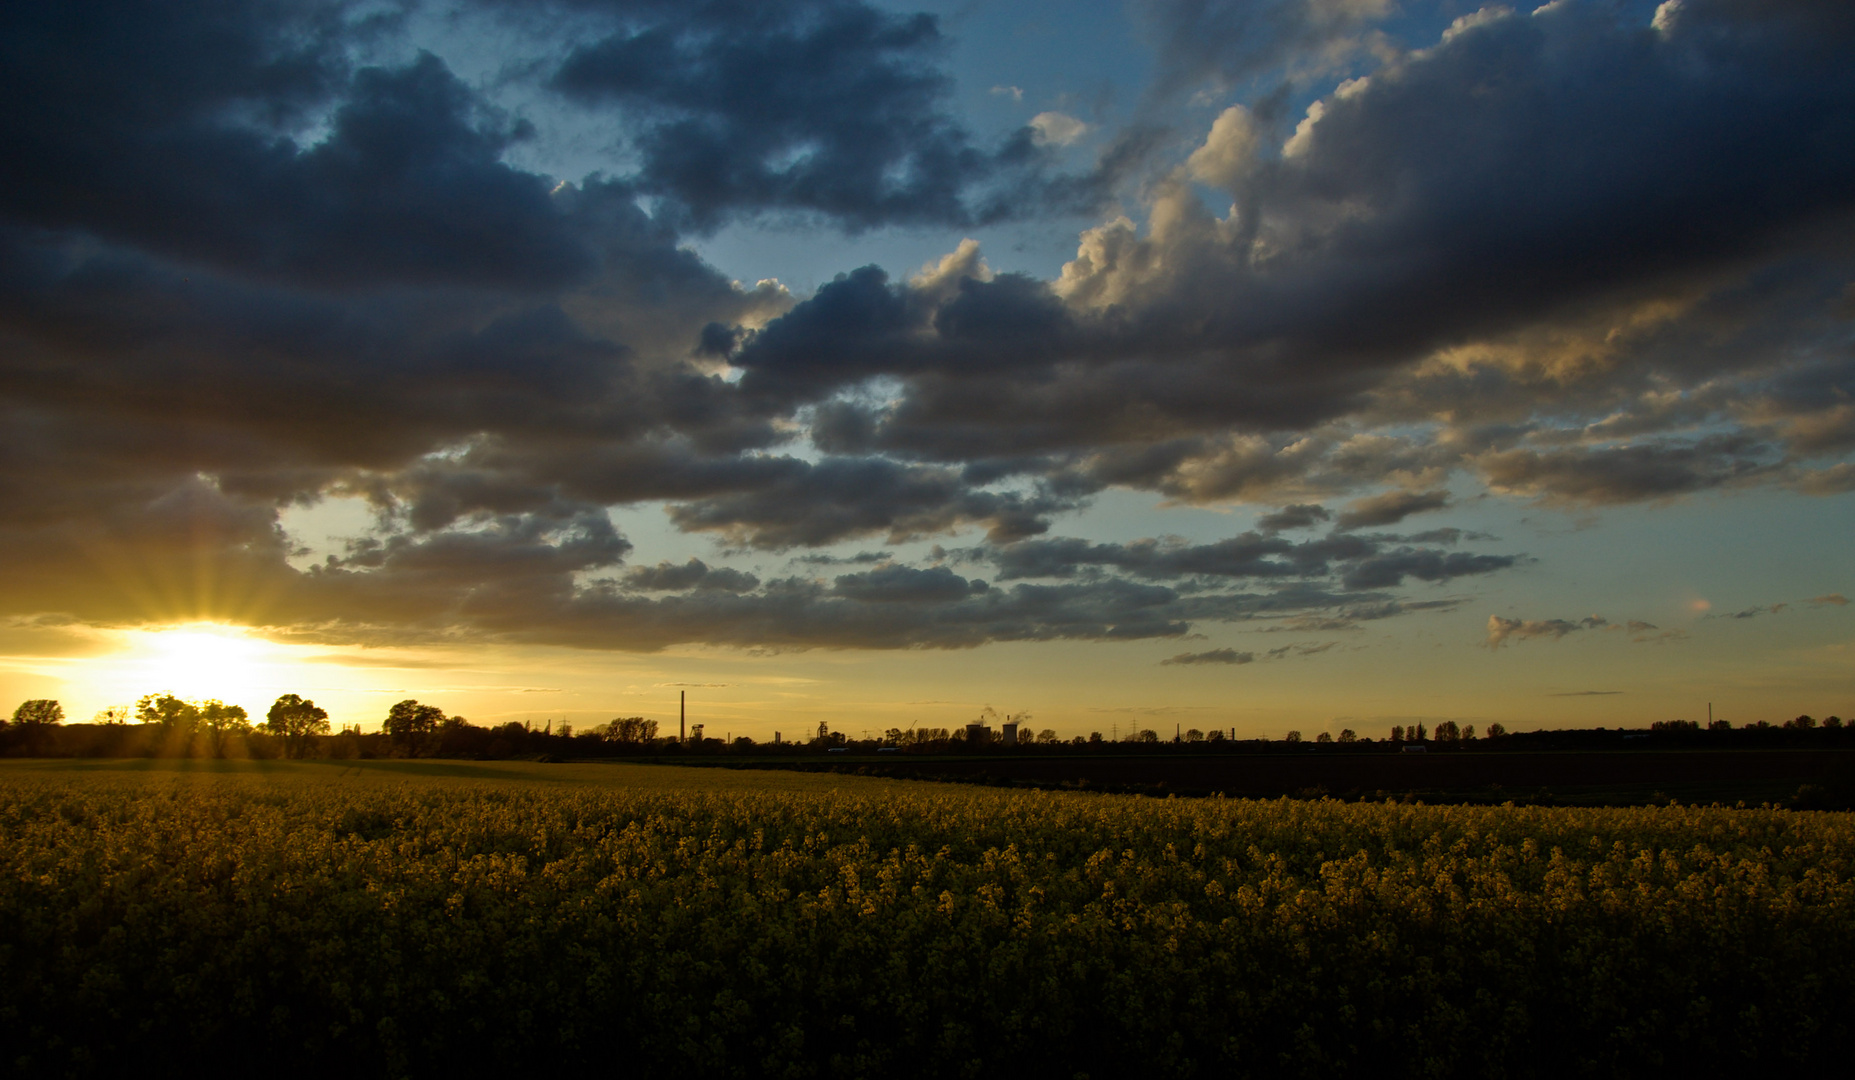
(167, 725)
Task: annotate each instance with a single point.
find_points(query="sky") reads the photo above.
(1255, 366)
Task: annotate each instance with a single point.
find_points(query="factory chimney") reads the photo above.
(682, 716)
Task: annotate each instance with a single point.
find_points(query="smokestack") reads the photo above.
(682, 716)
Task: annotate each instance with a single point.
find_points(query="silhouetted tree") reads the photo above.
(1293, 736)
(1495, 730)
(220, 720)
(296, 720)
(1348, 735)
(1397, 733)
(114, 714)
(1323, 737)
(34, 718)
(38, 712)
(630, 729)
(168, 712)
(408, 723)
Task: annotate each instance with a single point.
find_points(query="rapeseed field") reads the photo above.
(635, 920)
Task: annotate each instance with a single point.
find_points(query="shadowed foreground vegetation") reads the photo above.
(438, 918)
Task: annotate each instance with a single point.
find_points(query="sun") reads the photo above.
(195, 661)
(206, 660)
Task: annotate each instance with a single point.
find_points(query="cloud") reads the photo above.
(834, 109)
(1229, 153)
(1363, 563)
(861, 557)
(842, 498)
(1392, 567)
(1832, 598)
(1223, 43)
(1012, 92)
(260, 257)
(164, 161)
(901, 584)
(1301, 650)
(1501, 631)
(694, 574)
(1193, 287)
(1586, 693)
(1214, 656)
(1624, 474)
(1391, 508)
(1294, 516)
(1751, 612)
(1057, 129)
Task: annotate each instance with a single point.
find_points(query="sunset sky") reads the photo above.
(1289, 364)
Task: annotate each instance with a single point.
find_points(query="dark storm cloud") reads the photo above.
(1572, 164)
(841, 498)
(172, 127)
(791, 613)
(861, 325)
(830, 108)
(257, 255)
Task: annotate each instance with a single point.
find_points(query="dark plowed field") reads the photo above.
(1593, 777)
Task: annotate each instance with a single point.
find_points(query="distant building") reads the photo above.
(1008, 733)
(1416, 749)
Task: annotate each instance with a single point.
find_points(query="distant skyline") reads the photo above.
(1241, 365)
